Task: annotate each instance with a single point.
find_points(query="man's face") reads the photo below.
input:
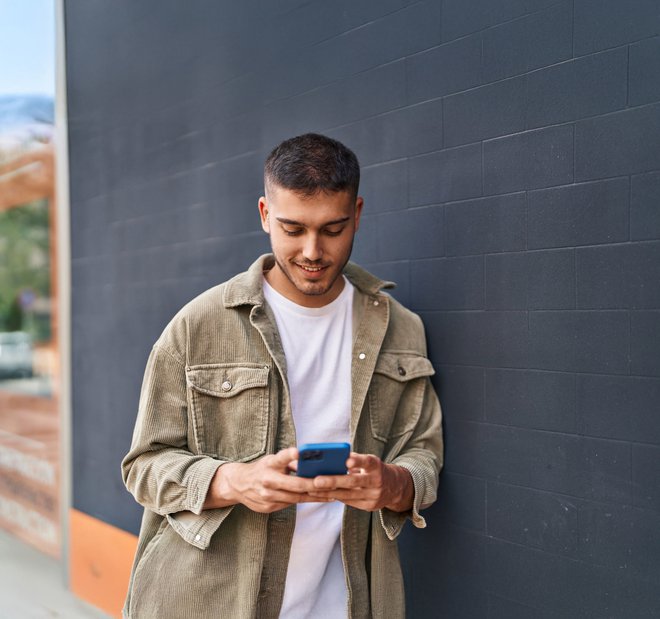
(311, 238)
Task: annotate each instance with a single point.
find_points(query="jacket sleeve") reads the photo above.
(421, 453)
(160, 471)
(422, 456)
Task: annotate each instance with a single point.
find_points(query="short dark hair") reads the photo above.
(312, 163)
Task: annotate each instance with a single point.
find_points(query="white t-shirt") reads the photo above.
(318, 348)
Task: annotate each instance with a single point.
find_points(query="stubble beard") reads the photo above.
(313, 290)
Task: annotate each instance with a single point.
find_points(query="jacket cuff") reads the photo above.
(198, 485)
(196, 529)
(195, 525)
(392, 522)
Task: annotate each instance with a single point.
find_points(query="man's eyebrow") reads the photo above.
(293, 222)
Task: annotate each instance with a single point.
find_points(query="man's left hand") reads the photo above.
(369, 485)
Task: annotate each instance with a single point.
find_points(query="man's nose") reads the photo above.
(312, 249)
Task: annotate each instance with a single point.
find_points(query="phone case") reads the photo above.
(322, 459)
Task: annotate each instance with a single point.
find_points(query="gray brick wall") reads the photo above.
(511, 171)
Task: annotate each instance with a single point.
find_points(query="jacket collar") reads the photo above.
(247, 289)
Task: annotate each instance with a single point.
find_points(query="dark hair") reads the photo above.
(312, 163)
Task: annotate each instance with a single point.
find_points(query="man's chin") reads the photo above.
(313, 289)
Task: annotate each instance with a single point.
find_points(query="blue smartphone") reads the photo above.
(323, 459)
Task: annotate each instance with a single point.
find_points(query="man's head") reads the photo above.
(311, 212)
(311, 163)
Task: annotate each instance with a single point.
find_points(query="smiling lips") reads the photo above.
(312, 270)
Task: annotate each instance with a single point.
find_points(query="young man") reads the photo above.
(303, 347)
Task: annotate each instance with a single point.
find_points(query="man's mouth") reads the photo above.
(312, 269)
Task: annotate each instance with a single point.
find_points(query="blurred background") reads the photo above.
(511, 175)
(29, 424)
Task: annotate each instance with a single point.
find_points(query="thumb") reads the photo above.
(285, 456)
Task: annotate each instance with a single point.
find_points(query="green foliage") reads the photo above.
(24, 265)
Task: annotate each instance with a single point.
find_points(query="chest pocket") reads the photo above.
(229, 403)
(396, 392)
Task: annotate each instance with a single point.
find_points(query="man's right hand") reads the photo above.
(264, 485)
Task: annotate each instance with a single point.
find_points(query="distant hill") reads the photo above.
(23, 110)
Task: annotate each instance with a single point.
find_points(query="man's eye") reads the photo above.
(333, 231)
(292, 231)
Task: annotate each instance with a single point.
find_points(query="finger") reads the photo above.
(309, 498)
(285, 456)
(287, 498)
(288, 483)
(367, 506)
(344, 495)
(368, 462)
(328, 482)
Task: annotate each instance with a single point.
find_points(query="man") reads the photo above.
(303, 347)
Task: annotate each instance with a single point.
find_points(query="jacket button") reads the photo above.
(362, 356)
(226, 386)
(376, 303)
(402, 372)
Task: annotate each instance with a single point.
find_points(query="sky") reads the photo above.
(27, 47)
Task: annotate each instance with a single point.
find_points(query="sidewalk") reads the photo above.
(31, 586)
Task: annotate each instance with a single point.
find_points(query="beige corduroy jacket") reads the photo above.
(215, 391)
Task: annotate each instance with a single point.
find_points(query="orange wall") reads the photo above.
(100, 562)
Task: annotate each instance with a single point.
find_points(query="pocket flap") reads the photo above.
(403, 366)
(225, 380)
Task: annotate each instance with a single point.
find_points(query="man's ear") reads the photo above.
(263, 213)
(359, 203)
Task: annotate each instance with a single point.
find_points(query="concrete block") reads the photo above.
(645, 207)
(528, 43)
(465, 500)
(531, 280)
(645, 72)
(619, 276)
(448, 283)
(621, 537)
(426, 225)
(645, 343)
(583, 214)
(646, 476)
(485, 112)
(618, 144)
(451, 174)
(581, 88)
(564, 587)
(384, 186)
(573, 341)
(619, 407)
(461, 17)
(531, 399)
(461, 392)
(486, 225)
(534, 519)
(600, 24)
(445, 69)
(491, 339)
(529, 160)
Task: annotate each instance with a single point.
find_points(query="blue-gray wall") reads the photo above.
(511, 157)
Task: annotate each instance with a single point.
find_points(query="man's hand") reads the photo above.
(264, 485)
(370, 485)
